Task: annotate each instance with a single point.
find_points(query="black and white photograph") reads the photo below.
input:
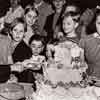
(49, 50)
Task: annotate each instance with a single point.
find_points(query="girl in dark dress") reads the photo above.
(19, 49)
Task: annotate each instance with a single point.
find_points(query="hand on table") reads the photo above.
(17, 67)
(29, 64)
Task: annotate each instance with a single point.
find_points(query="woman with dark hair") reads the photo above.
(19, 48)
(31, 17)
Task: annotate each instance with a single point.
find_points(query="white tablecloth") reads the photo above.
(73, 93)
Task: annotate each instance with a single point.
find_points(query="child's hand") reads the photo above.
(17, 67)
(29, 64)
(34, 66)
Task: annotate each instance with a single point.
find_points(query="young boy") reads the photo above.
(36, 63)
(36, 44)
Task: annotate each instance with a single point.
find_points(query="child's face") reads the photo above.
(58, 3)
(31, 17)
(37, 47)
(98, 24)
(68, 25)
(18, 32)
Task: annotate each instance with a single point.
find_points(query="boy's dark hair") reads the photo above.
(37, 38)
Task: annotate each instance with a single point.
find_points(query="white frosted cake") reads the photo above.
(68, 63)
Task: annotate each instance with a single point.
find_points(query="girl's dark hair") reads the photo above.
(31, 8)
(35, 26)
(37, 38)
(16, 21)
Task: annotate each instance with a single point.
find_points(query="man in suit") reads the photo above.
(54, 19)
(44, 10)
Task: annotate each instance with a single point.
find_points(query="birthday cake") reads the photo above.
(68, 64)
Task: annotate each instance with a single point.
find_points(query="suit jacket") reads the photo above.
(44, 10)
(48, 27)
(52, 25)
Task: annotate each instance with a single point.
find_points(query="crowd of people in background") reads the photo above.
(54, 44)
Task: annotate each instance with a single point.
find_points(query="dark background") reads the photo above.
(4, 4)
